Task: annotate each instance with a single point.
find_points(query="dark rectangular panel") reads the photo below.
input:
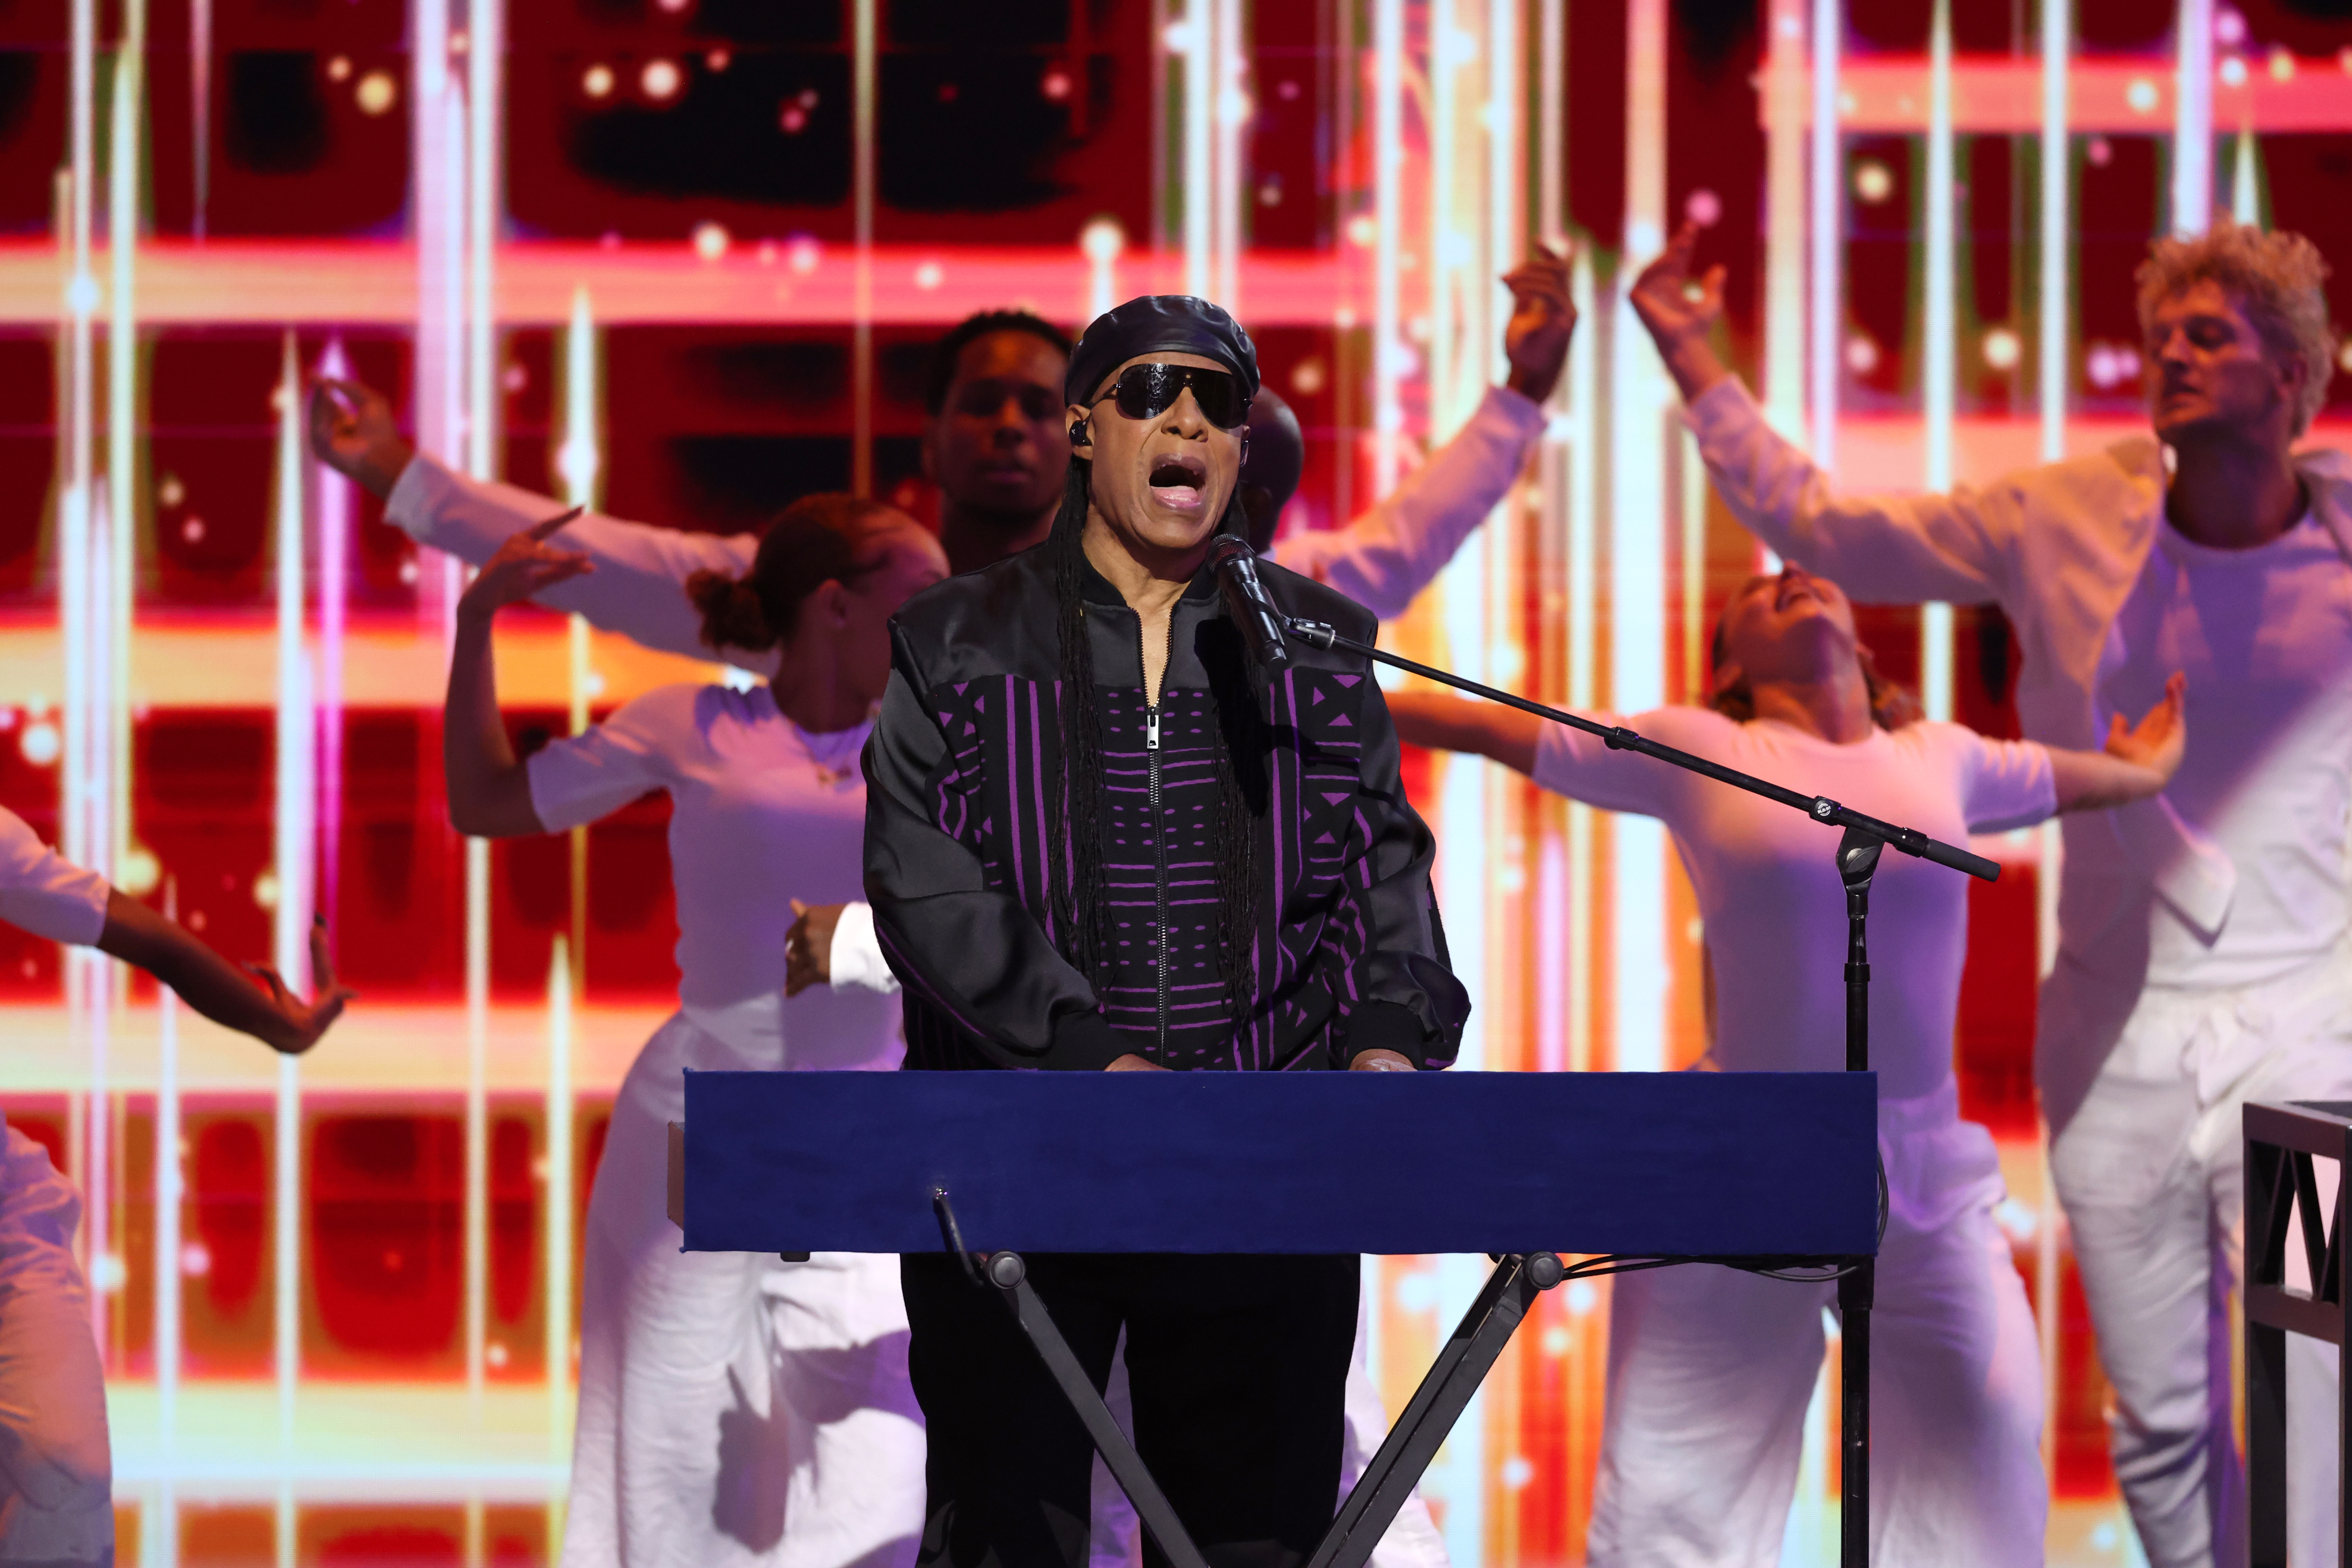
(1713, 1164)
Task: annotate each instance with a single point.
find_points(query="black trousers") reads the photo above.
(1238, 1367)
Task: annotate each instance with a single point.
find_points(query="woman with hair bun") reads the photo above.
(734, 1410)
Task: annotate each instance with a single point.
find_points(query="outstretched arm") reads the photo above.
(490, 789)
(1385, 558)
(205, 979)
(2139, 761)
(639, 587)
(1445, 724)
(1884, 549)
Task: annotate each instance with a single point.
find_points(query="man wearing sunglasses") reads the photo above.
(995, 444)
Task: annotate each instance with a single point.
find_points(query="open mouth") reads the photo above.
(1177, 480)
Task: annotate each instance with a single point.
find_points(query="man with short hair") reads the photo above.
(2205, 934)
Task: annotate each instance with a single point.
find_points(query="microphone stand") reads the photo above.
(1865, 838)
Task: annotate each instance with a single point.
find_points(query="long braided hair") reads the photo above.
(1239, 766)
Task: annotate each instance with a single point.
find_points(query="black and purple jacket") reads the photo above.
(1350, 954)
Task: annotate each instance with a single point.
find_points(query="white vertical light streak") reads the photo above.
(81, 558)
(1939, 369)
(1229, 193)
(2245, 182)
(122, 215)
(439, 207)
(98, 978)
(1637, 520)
(1558, 459)
(333, 496)
(1784, 219)
(2192, 137)
(558, 1200)
(1827, 312)
(1388, 204)
(1197, 44)
(293, 842)
(485, 160)
(1583, 616)
(2057, 232)
(867, 26)
(161, 1528)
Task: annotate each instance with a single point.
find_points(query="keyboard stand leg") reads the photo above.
(1854, 1292)
(1007, 1273)
(1461, 1365)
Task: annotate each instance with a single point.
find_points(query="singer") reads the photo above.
(1088, 848)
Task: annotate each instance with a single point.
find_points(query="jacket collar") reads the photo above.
(1097, 588)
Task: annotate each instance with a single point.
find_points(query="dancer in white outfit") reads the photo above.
(56, 1504)
(733, 1409)
(997, 446)
(2203, 935)
(1710, 1368)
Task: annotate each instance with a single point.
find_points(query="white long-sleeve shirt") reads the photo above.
(1382, 559)
(2240, 868)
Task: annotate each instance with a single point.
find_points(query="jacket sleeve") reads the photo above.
(638, 588)
(968, 949)
(1386, 940)
(1890, 549)
(1386, 557)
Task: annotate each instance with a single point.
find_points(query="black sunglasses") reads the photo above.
(1147, 391)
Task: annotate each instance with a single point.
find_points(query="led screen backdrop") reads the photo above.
(686, 258)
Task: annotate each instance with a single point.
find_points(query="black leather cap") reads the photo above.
(1159, 324)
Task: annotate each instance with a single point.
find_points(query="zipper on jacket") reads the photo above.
(1158, 839)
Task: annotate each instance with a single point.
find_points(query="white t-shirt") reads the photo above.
(1768, 884)
(764, 813)
(2265, 639)
(42, 892)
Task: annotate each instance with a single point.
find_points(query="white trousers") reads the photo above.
(734, 1410)
(1710, 1370)
(2151, 1171)
(1412, 1541)
(56, 1476)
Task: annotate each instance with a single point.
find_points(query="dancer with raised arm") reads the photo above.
(2205, 934)
(732, 1409)
(57, 1470)
(1087, 850)
(1710, 1368)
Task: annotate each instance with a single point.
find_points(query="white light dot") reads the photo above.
(804, 254)
(2141, 95)
(2233, 72)
(673, 6)
(597, 81)
(1417, 1291)
(2100, 365)
(495, 1353)
(1861, 355)
(1873, 180)
(1178, 38)
(1363, 229)
(2001, 349)
(1556, 1341)
(2229, 26)
(1101, 241)
(138, 872)
(195, 1260)
(660, 79)
(377, 92)
(709, 240)
(2099, 151)
(718, 59)
(340, 69)
(928, 275)
(1517, 1472)
(1703, 207)
(2344, 357)
(169, 492)
(2282, 65)
(1581, 1298)
(265, 889)
(1055, 85)
(1308, 378)
(40, 744)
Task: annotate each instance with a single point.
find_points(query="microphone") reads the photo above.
(1253, 612)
